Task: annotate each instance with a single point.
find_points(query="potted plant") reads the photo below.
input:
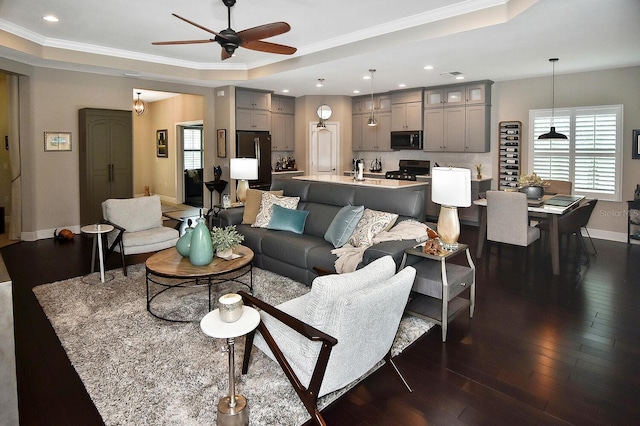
(532, 185)
(224, 239)
(478, 171)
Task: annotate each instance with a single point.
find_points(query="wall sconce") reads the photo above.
(243, 170)
(451, 188)
(139, 107)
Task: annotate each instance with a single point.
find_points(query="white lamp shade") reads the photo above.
(243, 168)
(451, 186)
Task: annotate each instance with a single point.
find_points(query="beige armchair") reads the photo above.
(139, 229)
(337, 332)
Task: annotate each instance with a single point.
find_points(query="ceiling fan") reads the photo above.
(249, 39)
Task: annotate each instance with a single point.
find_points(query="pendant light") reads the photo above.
(139, 106)
(372, 119)
(552, 134)
(321, 124)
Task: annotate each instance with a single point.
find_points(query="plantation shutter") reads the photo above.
(590, 157)
(192, 147)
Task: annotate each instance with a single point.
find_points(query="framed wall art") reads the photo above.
(162, 143)
(57, 141)
(636, 145)
(222, 143)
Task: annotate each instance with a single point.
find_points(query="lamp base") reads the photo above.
(233, 416)
(241, 190)
(449, 227)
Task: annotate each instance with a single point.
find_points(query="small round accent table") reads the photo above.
(168, 272)
(232, 409)
(97, 230)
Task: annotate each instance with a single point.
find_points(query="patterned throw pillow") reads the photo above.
(371, 224)
(266, 206)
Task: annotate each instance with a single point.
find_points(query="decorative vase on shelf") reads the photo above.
(184, 243)
(533, 192)
(201, 252)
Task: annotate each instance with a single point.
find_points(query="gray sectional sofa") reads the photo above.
(296, 255)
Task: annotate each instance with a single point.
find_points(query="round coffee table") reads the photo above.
(169, 271)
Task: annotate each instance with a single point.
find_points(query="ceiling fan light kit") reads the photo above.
(372, 119)
(552, 134)
(250, 38)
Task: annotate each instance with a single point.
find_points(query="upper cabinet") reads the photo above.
(253, 110)
(371, 138)
(282, 123)
(251, 99)
(406, 110)
(457, 117)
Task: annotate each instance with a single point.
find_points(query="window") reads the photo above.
(591, 157)
(192, 147)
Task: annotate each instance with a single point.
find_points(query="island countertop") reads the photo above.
(347, 180)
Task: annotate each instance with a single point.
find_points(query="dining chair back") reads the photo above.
(508, 219)
(558, 187)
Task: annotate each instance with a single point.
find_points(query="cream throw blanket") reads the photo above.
(349, 256)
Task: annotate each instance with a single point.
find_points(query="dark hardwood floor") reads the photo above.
(540, 350)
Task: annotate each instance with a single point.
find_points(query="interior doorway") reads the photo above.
(323, 148)
(192, 137)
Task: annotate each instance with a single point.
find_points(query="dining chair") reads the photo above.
(508, 219)
(572, 224)
(558, 187)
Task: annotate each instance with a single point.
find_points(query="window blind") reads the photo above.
(590, 157)
(192, 147)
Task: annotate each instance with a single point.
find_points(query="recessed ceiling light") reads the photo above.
(402, 85)
(356, 91)
(285, 90)
(366, 77)
(460, 77)
(50, 18)
(428, 67)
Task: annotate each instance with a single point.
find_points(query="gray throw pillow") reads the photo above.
(343, 225)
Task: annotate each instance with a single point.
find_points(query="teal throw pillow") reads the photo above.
(343, 225)
(284, 219)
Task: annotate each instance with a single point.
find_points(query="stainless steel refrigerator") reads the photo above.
(256, 145)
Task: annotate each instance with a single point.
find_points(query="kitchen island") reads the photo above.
(373, 182)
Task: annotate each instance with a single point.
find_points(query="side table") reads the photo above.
(97, 230)
(216, 209)
(437, 286)
(232, 409)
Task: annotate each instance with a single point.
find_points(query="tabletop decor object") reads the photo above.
(201, 252)
(184, 242)
(532, 185)
(478, 168)
(230, 307)
(224, 239)
(451, 188)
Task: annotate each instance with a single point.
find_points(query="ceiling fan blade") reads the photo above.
(161, 43)
(264, 31)
(265, 46)
(198, 25)
(225, 55)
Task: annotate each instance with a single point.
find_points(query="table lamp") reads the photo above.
(243, 170)
(451, 188)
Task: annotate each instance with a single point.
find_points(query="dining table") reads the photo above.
(545, 209)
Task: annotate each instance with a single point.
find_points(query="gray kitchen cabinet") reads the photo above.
(254, 120)
(406, 116)
(251, 99)
(375, 138)
(282, 132)
(283, 104)
(106, 153)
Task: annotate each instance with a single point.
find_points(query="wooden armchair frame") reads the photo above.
(308, 395)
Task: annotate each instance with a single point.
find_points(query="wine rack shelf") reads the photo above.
(510, 153)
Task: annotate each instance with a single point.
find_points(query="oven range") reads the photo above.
(409, 169)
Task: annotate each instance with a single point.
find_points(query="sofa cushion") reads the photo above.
(283, 219)
(291, 248)
(266, 207)
(371, 224)
(147, 240)
(252, 205)
(134, 214)
(343, 225)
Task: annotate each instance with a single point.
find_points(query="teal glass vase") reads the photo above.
(184, 243)
(201, 252)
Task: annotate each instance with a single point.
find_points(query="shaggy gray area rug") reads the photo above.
(145, 371)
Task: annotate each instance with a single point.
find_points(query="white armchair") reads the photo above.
(337, 332)
(139, 229)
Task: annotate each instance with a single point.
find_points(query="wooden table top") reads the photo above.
(169, 263)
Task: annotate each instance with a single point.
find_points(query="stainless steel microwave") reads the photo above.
(406, 140)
